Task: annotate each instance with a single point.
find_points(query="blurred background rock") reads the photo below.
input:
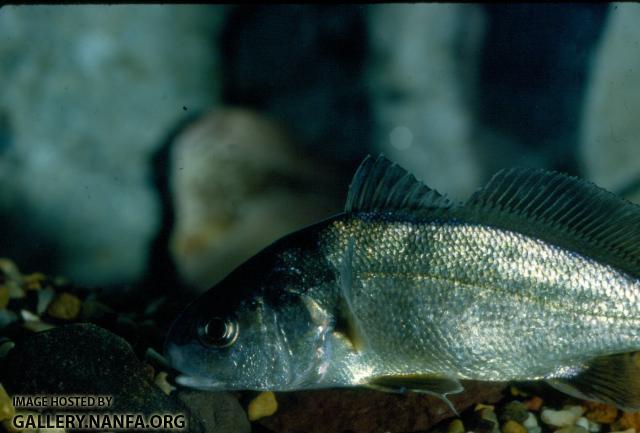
(163, 145)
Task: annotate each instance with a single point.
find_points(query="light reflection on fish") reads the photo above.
(535, 277)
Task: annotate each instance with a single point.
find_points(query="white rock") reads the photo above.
(583, 422)
(530, 422)
(578, 411)
(594, 427)
(610, 127)
(559, 418)
(424, 67)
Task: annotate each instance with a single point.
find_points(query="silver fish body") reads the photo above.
(477, 302)
(535, 277)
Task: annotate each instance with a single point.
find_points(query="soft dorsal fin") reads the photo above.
(562, 210)
(380, 185)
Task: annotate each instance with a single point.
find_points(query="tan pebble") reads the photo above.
(601, 413)
(162, 383)
(15, 290)
(456, 426)
(631, 430)
(627, 421)
(517, 392)
(4, 297)
(534, 403)
(65, 307)
(37, 326)
(8, 268)
(481, 406)
(263, 405)
(6, 405)
(512, 426)
(151, 372)
(34, 281)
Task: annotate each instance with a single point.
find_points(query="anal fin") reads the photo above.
(613, 379)
(438, 386)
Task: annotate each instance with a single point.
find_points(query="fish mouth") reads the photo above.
(202, 383)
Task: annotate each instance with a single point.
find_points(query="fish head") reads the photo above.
(256, 330)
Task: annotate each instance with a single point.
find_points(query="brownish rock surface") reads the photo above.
(239, 183)
(367, 411)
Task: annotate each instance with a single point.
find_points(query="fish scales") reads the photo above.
(478, 302)
(535, 277)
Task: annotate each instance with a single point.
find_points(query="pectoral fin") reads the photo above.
(438, 386)
(613, 379)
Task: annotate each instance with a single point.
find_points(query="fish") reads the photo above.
(535, 277)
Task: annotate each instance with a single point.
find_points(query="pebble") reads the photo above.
(15, 290)
(600, 412)
(263, 405)
(149, 370)
(34, 281)
(45, 296)
(593, 427)
(65, 307)
(627, 421)
(512, 426)
(7, 317)
(631, 430)
(37, 326)
(28, 316)
(572, 429)
(7, 411)
(534, 403)
(162, 383)
(8, 268)
(517, 392)
(514, 410)
(577, 410)
(456, 426)
(583, 422)
(5, 346)
(530, 422)
(488, 419)
(559, 418)
(4, 297)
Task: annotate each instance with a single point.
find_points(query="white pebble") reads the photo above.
(583, 422)
(577, 410)
(536, 429)
(559, 418)
(530, 422)
(594, 427)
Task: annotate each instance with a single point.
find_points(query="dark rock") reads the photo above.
(361, 410)
(219, 412)
(515, 411)
(86, 359)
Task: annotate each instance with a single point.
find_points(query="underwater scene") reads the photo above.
(320, 219)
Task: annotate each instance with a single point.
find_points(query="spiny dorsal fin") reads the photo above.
(380, 185)
(562, 210)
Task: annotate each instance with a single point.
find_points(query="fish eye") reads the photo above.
(218, 332)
